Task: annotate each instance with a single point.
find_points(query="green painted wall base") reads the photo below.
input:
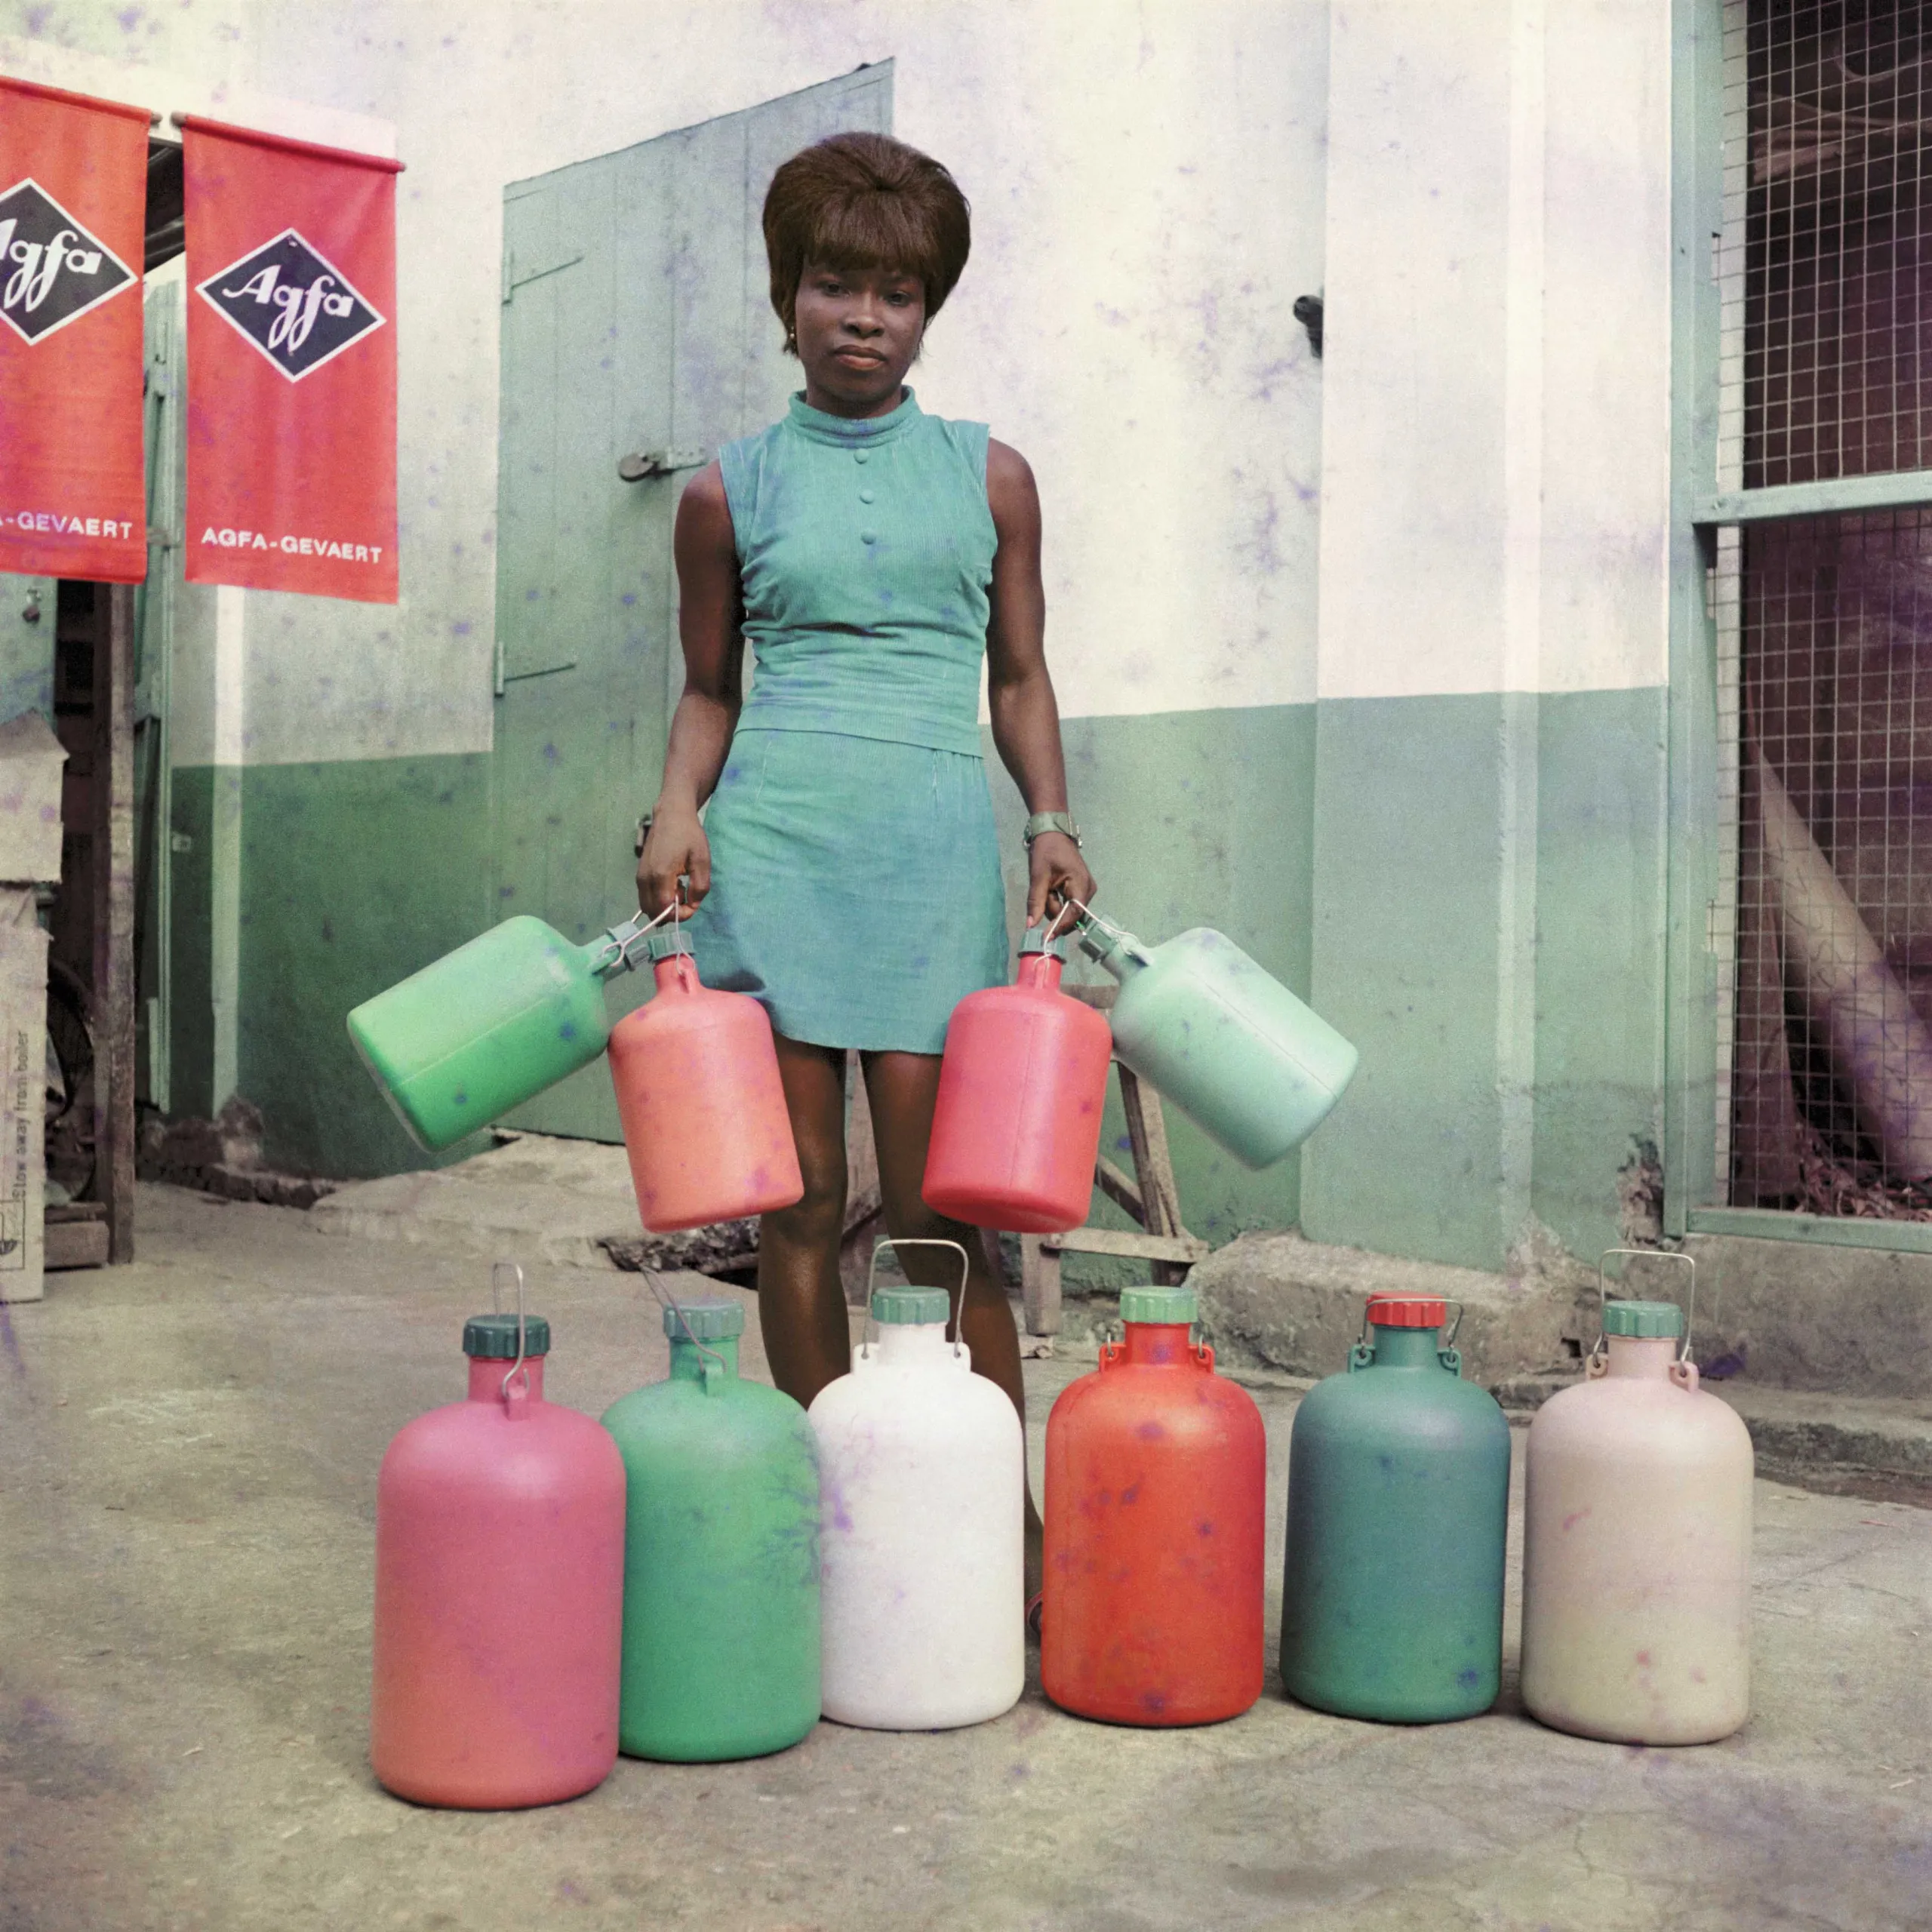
(1489, 930)
(353, 874)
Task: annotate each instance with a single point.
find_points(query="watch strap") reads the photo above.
(1051, 822)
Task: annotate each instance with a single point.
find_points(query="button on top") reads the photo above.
(865, 496)
(861, 455)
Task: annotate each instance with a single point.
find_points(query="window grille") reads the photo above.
(1824, 608)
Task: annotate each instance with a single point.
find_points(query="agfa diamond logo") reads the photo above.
(293, 303)
(52, 271)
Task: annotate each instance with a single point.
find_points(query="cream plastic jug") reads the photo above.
(1637, 1544)
(921, 1469)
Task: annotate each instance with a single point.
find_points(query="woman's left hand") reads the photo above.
(1058, 874)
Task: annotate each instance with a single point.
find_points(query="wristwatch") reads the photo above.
(1051, 822)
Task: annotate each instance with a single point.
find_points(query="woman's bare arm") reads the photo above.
(710, 616)
(1026, 716)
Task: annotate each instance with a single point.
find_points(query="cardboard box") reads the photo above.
(31, 757)
(22, 1096)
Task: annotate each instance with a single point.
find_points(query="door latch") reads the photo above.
(634, 468)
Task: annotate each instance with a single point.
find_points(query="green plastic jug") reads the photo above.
(458, 1044)
(1398, 1497)
(1227, 1043)
(721, 1558)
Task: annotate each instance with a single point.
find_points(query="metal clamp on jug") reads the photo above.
(1249, 1063)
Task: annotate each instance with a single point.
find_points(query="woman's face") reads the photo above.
(858, 331)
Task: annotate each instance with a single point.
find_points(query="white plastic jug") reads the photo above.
(1637, 1544)
(921, 1468)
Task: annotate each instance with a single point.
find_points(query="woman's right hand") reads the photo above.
(675, 849)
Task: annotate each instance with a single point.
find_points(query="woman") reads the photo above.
(872, 555)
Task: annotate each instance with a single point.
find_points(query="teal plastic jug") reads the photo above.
(1245, 1060)
(486, 1027)
(1398, 1498)
(721, 1555)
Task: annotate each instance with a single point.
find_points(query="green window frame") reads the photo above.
(1709, 83)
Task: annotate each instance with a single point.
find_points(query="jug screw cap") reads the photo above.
(916, 1306)
(704, 1321)
(1650, 1320)
(493, 1337)
(1166, 1306)
(1407, 1311)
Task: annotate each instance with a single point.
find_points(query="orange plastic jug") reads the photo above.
(1017, 1125)
(701, 1101)
(1156, 1474)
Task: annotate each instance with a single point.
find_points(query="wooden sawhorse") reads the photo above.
(1149, 1196)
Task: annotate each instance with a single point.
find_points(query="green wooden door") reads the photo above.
(635, 323)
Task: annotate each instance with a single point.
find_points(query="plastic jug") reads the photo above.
(1637, 1544)
(721, 1563)
(1399, 1499)
(700, 1100)
(500, 1554)
(1017, 1125)
(921, 1469)
(1244, 1059)
(514, 1011)
(1156, 1477)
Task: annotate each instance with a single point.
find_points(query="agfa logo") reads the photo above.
(52, 271)
(296, 307)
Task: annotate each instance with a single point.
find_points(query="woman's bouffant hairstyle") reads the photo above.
(858, 200)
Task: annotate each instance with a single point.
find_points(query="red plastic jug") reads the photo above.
(1156, 1473)
(1017, 1125)
(499, 1575)
(700, 1100)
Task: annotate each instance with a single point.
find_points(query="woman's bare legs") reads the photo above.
(903, 1088)
(800, 1301)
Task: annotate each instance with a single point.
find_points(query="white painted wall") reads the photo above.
(1147, 181)
(1496, 440)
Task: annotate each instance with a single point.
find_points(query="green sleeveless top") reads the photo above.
(865, 553)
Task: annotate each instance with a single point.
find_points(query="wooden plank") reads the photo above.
(1119, 1189)
(1131, 1244)
(114, 913)
(1039, 1284)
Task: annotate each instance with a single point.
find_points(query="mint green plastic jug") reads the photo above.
(721, 1567)
(458, 1044)
(1226, 1042)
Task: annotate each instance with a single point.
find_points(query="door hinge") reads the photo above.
(634, 468)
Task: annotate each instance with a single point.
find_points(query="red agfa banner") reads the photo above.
(291, 365)
(73, 207)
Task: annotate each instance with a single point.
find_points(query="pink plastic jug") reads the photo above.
(700, 1100)
(499, 1570)
(1017, 1125)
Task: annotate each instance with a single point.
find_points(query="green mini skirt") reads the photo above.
(855, 887)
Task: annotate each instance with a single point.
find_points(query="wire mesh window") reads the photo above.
(1838, 223)
(1828, 1103)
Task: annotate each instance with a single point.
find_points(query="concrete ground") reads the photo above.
(188, 1454)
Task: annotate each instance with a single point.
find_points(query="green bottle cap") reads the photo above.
(1163, 1305)
(705, 1320)
(901, 1306)
(493, 1337)
(1650, 1320)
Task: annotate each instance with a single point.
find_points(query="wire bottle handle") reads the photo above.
(1682, 1370)
(513, 1404)
(915, 1240)
(712, 1367)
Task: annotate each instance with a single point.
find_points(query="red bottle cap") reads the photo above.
(1407, 1311)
